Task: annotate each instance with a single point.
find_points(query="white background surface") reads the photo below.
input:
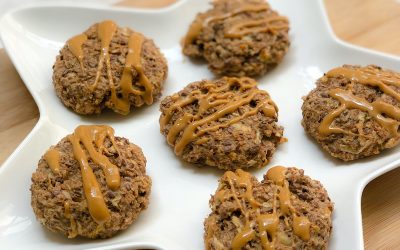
(6, 5)
(180, 193)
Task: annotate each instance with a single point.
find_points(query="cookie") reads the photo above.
(90, 184)
(109, 66)
(227, 123)
(286, 210)
(238, 37)
(354, 111)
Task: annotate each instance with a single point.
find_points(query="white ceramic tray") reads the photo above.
(32, 37)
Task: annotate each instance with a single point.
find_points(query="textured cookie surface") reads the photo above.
(90, 184)
(227, 123)
(109, 66)
(286, 210)
(238, 37)
(354, 111)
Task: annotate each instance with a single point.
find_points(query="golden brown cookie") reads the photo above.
(90, 184)
(227, 123)
(354, 111)
(238, 37)
(286, 210)
(109, 66)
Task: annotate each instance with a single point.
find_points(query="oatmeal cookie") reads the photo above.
(238, 37)
(286, 210)
(90, 184)
(109, 66)
(354, 111)
(227, 123)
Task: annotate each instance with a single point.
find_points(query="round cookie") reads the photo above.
(109, 66)
(286, 210)
(354, 111)
(227, 123)
(238, 37)
(90, 184)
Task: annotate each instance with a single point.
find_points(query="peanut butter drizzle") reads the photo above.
(371, 77)
(75, 46)
(106, 31)
(247, 234)
(267, 223)
(67, 212)
(132, 61)
(257, 26)
(191, 125)
(136, 45)
(245, 8)
(194, 31)
(301, 224)
(238, 30)
(301, 227)
(376, 109)
(179, 125)
(52, 157)
(243, 180)
(277, 174)
(284, 198)
(87, 136)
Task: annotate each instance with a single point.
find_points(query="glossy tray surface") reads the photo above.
(33, 36)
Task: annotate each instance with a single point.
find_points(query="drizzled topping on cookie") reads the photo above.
(257, 26)
(67, 213)
(387, 115)
(52, 157)
(242, 28)
(237, 187)
(106, 31)
(92, 139)
(75, 46)
(214, 102)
